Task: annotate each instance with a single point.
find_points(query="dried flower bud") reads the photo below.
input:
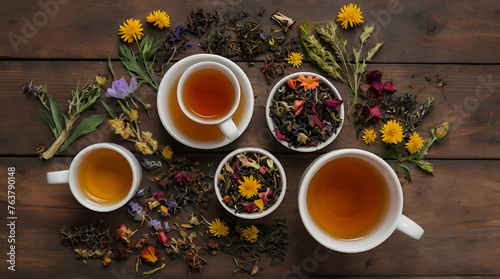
(100, 79)
(440, 131)
(283, 20)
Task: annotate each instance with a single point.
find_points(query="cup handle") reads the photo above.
(229, 129)
(58, 177)
(409, 227)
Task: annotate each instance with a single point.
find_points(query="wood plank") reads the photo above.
(468, 102)
(458, 208)
(418, 32)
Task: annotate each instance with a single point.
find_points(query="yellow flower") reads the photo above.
(130, 30)
(159, 18)
(392, 132)
(134, 115)
(100, 79)
(249, 186)
(149, 254)
(218, 228)
(120, 128)
(369, 136)
(147, 137)
(350, 15)
(259, 203)
(295, 59)
(167, 152)
(308, 83)
(250, 233)
(415, 143)
(143, 148)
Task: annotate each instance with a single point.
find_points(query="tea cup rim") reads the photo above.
(254, 215)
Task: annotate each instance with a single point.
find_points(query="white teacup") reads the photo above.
(207, 92)
(390, 220)
(83, 195)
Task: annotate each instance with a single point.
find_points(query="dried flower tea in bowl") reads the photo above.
(250, 183)
(304, 112)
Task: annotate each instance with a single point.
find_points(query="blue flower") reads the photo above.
(139, 193)
(155, 224)
(134, 209)
(171, 204)
(120, 89)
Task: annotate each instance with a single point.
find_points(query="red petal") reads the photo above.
(292, 83)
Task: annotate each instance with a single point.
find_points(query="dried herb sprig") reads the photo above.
(62, 124)
(333, 47)
(140, 65)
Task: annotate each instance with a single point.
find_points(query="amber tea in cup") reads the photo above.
(350, 200)
(347, 197)
(105, 176)
(102, 177)
(208, 94)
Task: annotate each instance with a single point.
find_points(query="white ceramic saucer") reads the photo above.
(191, 133)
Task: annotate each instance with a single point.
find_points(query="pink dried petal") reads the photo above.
(298, 106)
(279, 135)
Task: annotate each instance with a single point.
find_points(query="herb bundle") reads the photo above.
(250, 183)
(305, 112)
(62, 124)
(333, 47)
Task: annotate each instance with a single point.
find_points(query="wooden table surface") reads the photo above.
(459, 207)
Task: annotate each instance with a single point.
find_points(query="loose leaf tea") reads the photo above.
(305, 112)
(250, 182)
(249, 244)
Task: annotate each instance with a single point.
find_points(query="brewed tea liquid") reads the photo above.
(208, 94)
(347, 198)
(105, 176)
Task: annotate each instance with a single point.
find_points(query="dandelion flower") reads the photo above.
(249, 186)
(350, 15)
(295, 59)
(415, 143)
(308, 83)
(167, 152)
(159, 18)
(250, 233)
(369, 136)
(130, 30)
(218, 228)
(392, 132)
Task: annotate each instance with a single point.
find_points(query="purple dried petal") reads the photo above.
(156, 224)
(373, 76)
(332, 103)
(139, 193)
(233, 175)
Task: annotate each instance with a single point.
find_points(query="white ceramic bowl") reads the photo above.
(254, 215)
(270, 123)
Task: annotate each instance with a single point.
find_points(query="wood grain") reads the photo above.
(468, 102)
(461, 226)
(417, 32)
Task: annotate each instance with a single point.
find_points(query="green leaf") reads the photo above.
(367, 32)
(426, 166)
(124, 108)
(372, 52)
(110, 67)
(87, 125)
(406, 171)
(110, 111)
(48, 119)
(56, 115)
